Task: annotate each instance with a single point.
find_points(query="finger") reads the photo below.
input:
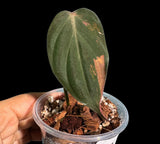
(9, 125)
(20, 134)
(26, 123)
(9, 140)
(22, 105)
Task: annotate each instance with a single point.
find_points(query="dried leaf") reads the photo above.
(49, 121)
(60, 116)
(92, 122)
(99, 63)
(72, 102)
(57, 125)
(78, 131)
(104, 110)
(70, 123)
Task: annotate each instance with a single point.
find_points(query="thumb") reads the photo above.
(21, 105)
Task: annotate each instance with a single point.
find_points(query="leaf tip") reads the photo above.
(73, 13)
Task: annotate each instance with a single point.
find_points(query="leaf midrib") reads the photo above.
(72, 16)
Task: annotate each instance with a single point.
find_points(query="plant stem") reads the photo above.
(66, 96)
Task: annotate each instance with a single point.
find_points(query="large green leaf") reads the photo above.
(78, 55)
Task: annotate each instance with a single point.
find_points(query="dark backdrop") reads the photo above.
(24, 62)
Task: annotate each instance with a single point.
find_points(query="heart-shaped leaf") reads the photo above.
(78, 55)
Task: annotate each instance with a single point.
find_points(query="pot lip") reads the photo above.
(84, 138)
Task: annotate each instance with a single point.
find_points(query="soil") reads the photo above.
(78, 118)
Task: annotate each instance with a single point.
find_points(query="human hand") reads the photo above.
(16, 122)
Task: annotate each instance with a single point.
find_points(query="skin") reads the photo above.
(16, 122)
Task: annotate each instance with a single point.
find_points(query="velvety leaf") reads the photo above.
(78, 55)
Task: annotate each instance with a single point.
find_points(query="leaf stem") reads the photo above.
(66, 96)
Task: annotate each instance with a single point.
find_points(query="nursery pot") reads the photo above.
(53, 136)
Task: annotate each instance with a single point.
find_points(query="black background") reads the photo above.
(24, 62)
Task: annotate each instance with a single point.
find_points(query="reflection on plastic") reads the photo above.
(52, 136)
(109, 141)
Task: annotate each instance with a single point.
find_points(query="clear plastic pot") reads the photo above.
(53, 136)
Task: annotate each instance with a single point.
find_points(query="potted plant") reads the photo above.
(78, 56)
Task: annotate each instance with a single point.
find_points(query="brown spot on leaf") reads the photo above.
(92, 71)
(85, 23)
(101, 73)
(94, 27)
